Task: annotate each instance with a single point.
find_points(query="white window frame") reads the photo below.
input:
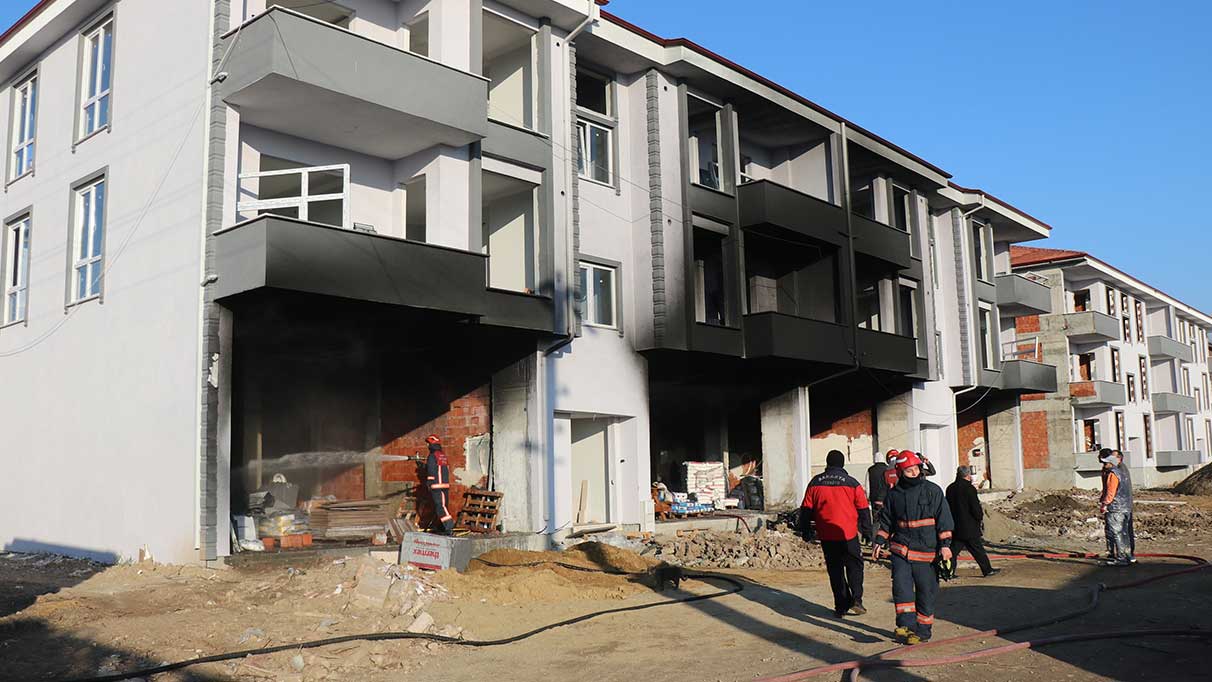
(16, 269)
(587, 268)
(304, 199)
(583, 160)
(25, 115)
(984, 271)
(990, 358)
(89, 69)
(83, 235)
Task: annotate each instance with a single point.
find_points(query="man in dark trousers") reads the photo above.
(877, 486)
(437, 477)
(1116, 507)
(915, 529)
(969, 520)
(838, 505)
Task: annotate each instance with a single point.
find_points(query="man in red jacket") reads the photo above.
(838, 505)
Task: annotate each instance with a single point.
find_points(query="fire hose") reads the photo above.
(893, 658)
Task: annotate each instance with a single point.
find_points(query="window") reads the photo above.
(1208, 440)
(1140, 321)
(96, 77)
(1207, 392)
(703, 119)
(709, 300)
(16, 269)
(1190, 444)
(1148, 437)
(868, 303)
(1186, 381)
(1121, 436)
(1090, 442)
(25, 117)
(597, 287)
(1126, 317)
(909, 322)
(1111, 298)
(987, 349)
(1115, 365)
(933, 254)
(317, 194)
(593, 93)
(1085, 366)
(594, 152)
(88, 241)
(1081, 301)
(1131, 388)
(981, 246)
(1144, 378)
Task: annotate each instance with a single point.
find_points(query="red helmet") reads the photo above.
(892, 455)
(907, 459)
(433, 439)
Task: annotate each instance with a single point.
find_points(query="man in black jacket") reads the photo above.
(969, 520)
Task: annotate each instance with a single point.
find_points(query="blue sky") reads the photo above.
(1091, 115)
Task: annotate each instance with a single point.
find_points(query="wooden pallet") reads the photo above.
(480, 509)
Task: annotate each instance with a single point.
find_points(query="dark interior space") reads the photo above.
(792, 277)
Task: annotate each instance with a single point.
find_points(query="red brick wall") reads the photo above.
(347, 485)
(851, 426)
(1081, 389)
(971, 425)
(1027, 324)
(467, 415)
(1035, 440)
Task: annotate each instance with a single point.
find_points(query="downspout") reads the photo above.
(852, 295)
(591, 17)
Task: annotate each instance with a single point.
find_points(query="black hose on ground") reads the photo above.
(736, 586)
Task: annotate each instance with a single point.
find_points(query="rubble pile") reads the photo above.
(764, 549)
(1074, 514)
(1198, 483)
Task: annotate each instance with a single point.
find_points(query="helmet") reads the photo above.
(944, 568)
(907, 459)
(892, 455)
(433, 439)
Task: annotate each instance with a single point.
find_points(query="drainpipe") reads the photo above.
(590, 17)
(852, 295)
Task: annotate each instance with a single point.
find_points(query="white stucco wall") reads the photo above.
(100, 401)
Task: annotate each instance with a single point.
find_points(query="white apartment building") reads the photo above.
(295, 239)
(1132, 374)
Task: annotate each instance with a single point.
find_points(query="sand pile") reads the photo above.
(1198, 483)
(1074, 514)
(763, 549)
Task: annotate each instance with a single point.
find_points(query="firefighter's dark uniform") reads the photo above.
(437, 477)
(914, 524)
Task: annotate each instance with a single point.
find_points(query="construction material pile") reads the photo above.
(764, 549)
(1198, 483)
(1074, 514)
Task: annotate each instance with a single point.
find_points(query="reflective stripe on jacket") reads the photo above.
(915, 521)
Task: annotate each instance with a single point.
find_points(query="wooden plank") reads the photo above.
(584, 502)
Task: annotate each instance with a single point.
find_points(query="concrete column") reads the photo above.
(447, 193)
(894, 427)
(221, 379)
(514, 453)
(785, 457)
(456, 33)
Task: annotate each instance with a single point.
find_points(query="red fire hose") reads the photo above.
(893, 658)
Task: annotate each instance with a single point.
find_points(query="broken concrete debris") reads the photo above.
(763, 549)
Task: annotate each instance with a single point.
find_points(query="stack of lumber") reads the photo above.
(354, 519)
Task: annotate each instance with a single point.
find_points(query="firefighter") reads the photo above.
(890, 474)
(915, 528)
(838, 505)
(437, 477)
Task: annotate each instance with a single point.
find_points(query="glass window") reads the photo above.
(704, 143)
(597, 288)
(907, 322)
(1140, 321)
(709, 301)
(88, 238)
(593, 93)
(16, 269)
(1111, 298)
(1144, 378)
(25, 117)
(96, 77)
(987, 349)
(1148, 437)
(1115, 365)
(594, 152)
(1131, 388)
(981, 247)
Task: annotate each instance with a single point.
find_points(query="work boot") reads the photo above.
(902, 634)
(913, 638)
(857, 609)
(992, 572)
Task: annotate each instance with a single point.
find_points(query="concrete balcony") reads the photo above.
(275, 253)
(1091, 327)
(1177, 458)
(887, 352)
(1098, 393)
(1019, 295)
(303, 77)
(881, 241)
(1028, 377)
(777, 335)
(772, 208)
(1174, 403)
(1166, 347)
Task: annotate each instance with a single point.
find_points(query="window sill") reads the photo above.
(27, 174)
(72, 304)
(23, 322)
(103, 129)
(597, 117)
(595, 182)
(595, 325)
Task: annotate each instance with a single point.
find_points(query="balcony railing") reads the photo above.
(303, 193)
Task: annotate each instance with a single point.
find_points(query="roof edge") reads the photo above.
(25, 19)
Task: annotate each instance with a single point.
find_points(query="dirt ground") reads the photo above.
(67, 618)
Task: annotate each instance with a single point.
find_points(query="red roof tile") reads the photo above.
(1032, 255)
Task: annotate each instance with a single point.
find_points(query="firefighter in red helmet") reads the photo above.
(437, 477)
(915, 528)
